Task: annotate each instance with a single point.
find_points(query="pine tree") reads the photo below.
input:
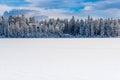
(71, 25)
(82, 28)
(77, 27)
(66, 26)
(101, 27)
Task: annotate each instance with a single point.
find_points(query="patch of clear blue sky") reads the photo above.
(15, 3)
(51, 4)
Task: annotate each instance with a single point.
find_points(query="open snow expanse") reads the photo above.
(60, 59)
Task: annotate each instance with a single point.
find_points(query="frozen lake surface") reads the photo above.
(60, 59)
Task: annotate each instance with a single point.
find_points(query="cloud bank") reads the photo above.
(66, 8)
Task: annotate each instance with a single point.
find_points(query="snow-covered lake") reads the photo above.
(60, 59)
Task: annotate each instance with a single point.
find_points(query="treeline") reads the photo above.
(22, 27)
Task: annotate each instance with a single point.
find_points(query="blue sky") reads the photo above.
(66, 8)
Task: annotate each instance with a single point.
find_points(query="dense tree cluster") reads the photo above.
(21, 27)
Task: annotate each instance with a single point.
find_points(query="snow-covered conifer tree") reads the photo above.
(82, 27)
(66, 26)
(77, 27)
(71, 25)
(101, 27)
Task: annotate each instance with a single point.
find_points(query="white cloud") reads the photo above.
(51, 13)
(4, 8)
(88, 8)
